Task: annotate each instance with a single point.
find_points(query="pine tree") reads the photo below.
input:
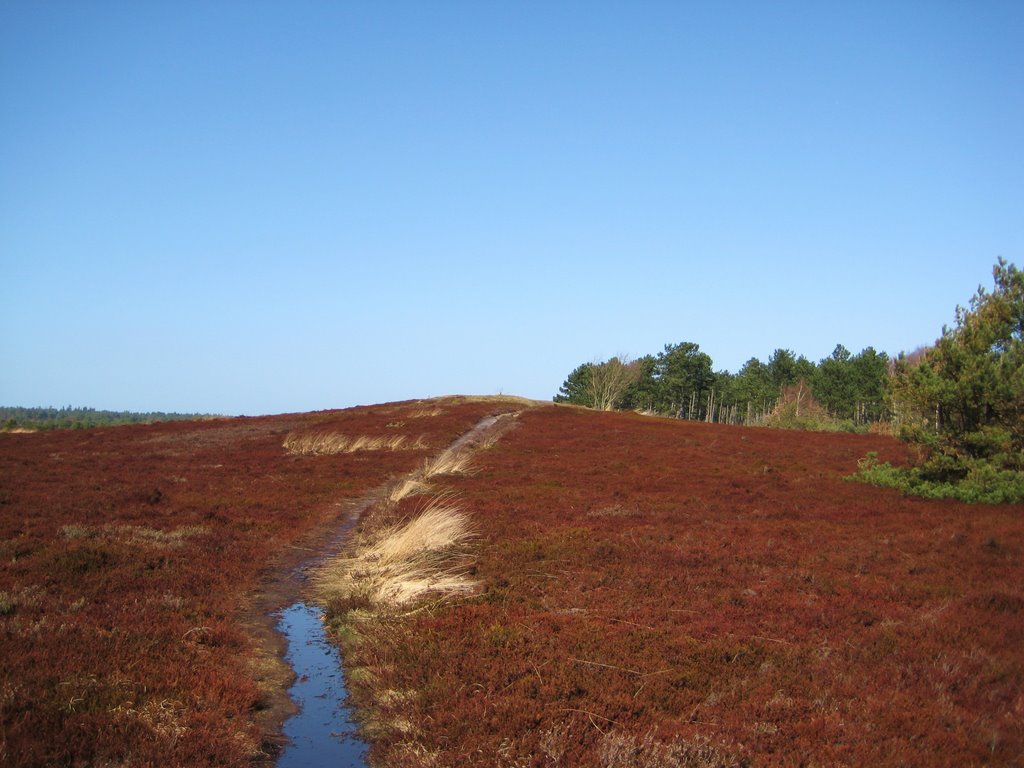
(964, 399)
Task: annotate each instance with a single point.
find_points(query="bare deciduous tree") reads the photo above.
(609, 382)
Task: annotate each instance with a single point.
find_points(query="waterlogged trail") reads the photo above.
(321, 733)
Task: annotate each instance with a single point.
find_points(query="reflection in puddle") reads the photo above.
(322, 733)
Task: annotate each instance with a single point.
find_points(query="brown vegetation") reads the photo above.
(645, 592)
(663, 593)
(129, 558)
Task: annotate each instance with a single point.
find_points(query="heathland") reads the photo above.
(575, 588)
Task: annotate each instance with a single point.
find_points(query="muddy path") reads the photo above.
(300, 672)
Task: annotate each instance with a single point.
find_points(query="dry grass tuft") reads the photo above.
(321, 443)
(138, 535)
(401, 563)
(423, 413)
(408, 486)
(329, 443)
(363, 443)
(448, 463)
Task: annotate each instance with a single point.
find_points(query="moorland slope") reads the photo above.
(137, 563)
(654, 592)
(638, 592)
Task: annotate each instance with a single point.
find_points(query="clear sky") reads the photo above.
(256, 207)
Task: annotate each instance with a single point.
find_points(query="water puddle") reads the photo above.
(322, 733)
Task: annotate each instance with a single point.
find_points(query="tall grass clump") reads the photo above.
(329, 443)
(448, 463)
(407, 486)
(424, 413)
(400, 563)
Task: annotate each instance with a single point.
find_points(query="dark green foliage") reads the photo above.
(749, 394)
(680, 382)
(82, 418)
(642, 394)
(962, 403)
(981, 482)
(835, 385)
(754, 383)
(870, 371)
(852, 387)
(964, 400)
(676, 382)
(682, 376)
(575, 390)
(785, 369)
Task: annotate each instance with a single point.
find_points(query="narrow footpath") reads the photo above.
(317, 727)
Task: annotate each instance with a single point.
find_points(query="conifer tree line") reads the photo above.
(962, 399)
(70, 417)
(680, 381)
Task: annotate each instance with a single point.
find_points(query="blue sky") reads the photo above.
(252, 207)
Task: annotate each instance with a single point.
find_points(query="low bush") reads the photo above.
(976, 482)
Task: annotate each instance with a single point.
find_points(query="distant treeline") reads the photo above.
(842, 391)
(81, 418)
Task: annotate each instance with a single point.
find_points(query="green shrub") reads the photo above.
(975, 482)
(963, 399)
